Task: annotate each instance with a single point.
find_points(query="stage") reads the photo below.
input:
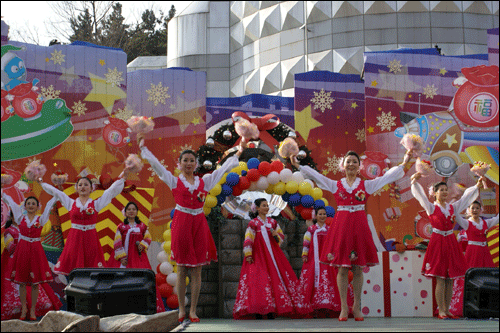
(333, 325)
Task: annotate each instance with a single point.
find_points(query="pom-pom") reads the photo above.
(423, 167)
(431, 191)
(288, 147)
(58, 178)
(341, 164)
(35, 170)
(246, 129)
(6, 179)
(141, 124)
(480, 168)
(413, 142)
(133, 163)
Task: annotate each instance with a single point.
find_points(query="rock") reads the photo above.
(160, 322)
(56, 321)
(16, 325)
(86, 324)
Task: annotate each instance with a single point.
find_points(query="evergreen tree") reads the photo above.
(115, 32)
(82, 28)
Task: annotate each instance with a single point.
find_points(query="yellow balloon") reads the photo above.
(187, 281)
(292, 187)
(210, 201)
(243, 166)
(223, 179)
(215, 191)
(316, 193)
(167, 246)
(305, 188)
(237, 170)
(167, 235)
(206, 210)
(270, 189)
(175, 269)
(280, 188)
(46, 229)
(325, 201)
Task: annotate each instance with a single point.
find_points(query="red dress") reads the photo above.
(443, 257)
(10, 302)
(323, 293)
(269, 284)
(477, 253)
(192, 242)
(349, 240)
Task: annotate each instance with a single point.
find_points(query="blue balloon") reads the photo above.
(172, 213)
(307, 201)
(330, 211)
(220, 199)
(253, 163)
(319, 204)
(294, 199)
(226, 190)
(232, 179)
(286, 197)
(243, 173)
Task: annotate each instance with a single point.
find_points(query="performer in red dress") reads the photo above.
(11, 302)
(192, 243)
(349, 242)
(444, 258)
(82, 248)
(29, 263)
(268, 284)
(132, 240)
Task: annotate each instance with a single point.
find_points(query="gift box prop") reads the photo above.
(111, 216)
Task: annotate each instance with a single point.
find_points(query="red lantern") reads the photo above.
(306, 213)
(476, 101)
(27, 103)
(276, 166)
(166, 290)
(173, 302)
(253, 175)
(115, 133)
(160, 279)
(264, 168)
(373, 164)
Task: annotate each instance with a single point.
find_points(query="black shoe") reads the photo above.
(270, 316)
(258, 316)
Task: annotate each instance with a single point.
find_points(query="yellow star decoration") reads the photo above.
(370, 129)
(319, 141)
(374, 83)
(443, 71)
(47, 59)
(388, 228)
(304, 122)
(104, 93)
(450, 140)
(325, 172)
(380, 109)
(185, 118)
(196, 121)
(81, 153)
(102, 62)
(151, 179)
(55, 164)
(354, 105)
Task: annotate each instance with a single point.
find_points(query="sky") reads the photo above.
(37, 14)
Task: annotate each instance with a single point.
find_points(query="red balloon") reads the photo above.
(237, 190)
(244, 183)
(160, 279)
(276, 166)
(299, 208)
(253, 175)
(350, 276)
(173, 302)
(264, 168)
(158, 268)
(166, 291)
(306, 213)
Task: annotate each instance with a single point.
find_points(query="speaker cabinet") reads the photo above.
(481, 293)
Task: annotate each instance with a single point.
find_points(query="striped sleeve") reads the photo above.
(119, 250)
(249, 239)
(280, 233)
(146, 240)
(9, 243)
(307, 242)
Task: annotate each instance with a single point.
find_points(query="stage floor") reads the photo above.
(333, 325)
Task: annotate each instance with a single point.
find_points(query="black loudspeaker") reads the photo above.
(481, 293)
(111, 291)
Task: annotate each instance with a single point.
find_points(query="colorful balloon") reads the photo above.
(280, 188)
(211, 201)
(273, 177)
(215, 191)
(253, 175)
(292, 187)
(276, 166)
(173, 302)
(286, 175)
(264, 168)
(253, 163)
(305, 188)
(165, 290)
(317, 193)
(297, 176)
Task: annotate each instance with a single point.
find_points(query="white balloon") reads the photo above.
(162, 256)
(171, 278)
(262, 183)
(286, 175)
(297, 176)
(273, 178)
(166, 268)
(310, 182)
(175, 291)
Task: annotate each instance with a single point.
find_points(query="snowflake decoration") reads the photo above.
(79, 108)
(430, 91)
(322, 100)
(186, 147)
(50, 93)
(114, 77)
(124, 114)
(58, 57)
(395, 66)
(361, 135)
(386, 121)
(333, 164)
(153, 172)
(158, 94)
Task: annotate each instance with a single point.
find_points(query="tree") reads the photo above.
(82, 28)
(114, 31)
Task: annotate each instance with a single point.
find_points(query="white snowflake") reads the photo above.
(430, 91)
(361, 135)
(395, 66)
(322, 100)
(50, 93)
(386, 121)
(158, 94)
(79, 108)
(114, 77)
(153, 172)
(124, 114)
(333, 164)
(57, 57)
